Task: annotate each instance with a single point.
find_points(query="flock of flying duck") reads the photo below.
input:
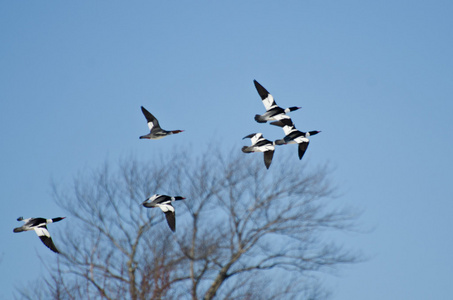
(259, 144)
(279, 116)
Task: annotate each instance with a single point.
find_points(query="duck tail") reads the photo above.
(280, 142)
(18, 229)
(259, 119)
(246, 149)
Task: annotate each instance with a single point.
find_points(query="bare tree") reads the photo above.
(243, 232)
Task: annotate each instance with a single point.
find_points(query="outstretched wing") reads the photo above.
(44, 235)
(286, 123)
(268, 158)
(267, 98)
(171, 220)
(302, 148)
(152, 121)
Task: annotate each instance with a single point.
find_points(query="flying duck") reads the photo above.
(155, 132)
(273, 112)
(164, 203)
(294, 136)
(39, 226)
(260, 144)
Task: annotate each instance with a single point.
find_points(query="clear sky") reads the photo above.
(376, 77)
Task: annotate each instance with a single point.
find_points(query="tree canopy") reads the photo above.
(243, 232)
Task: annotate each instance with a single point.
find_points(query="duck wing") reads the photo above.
(267, 98)
(302, 148)
(171, 220)
(152, 121)
(44, 235)
(268, 155)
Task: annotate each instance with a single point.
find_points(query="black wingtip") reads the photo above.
(249, 136)
(302, 148)
(261, 90)
(171, 220)
(49, 243)
(268, 155)
(144, 110)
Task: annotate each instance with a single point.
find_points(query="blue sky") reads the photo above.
(376, 77)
